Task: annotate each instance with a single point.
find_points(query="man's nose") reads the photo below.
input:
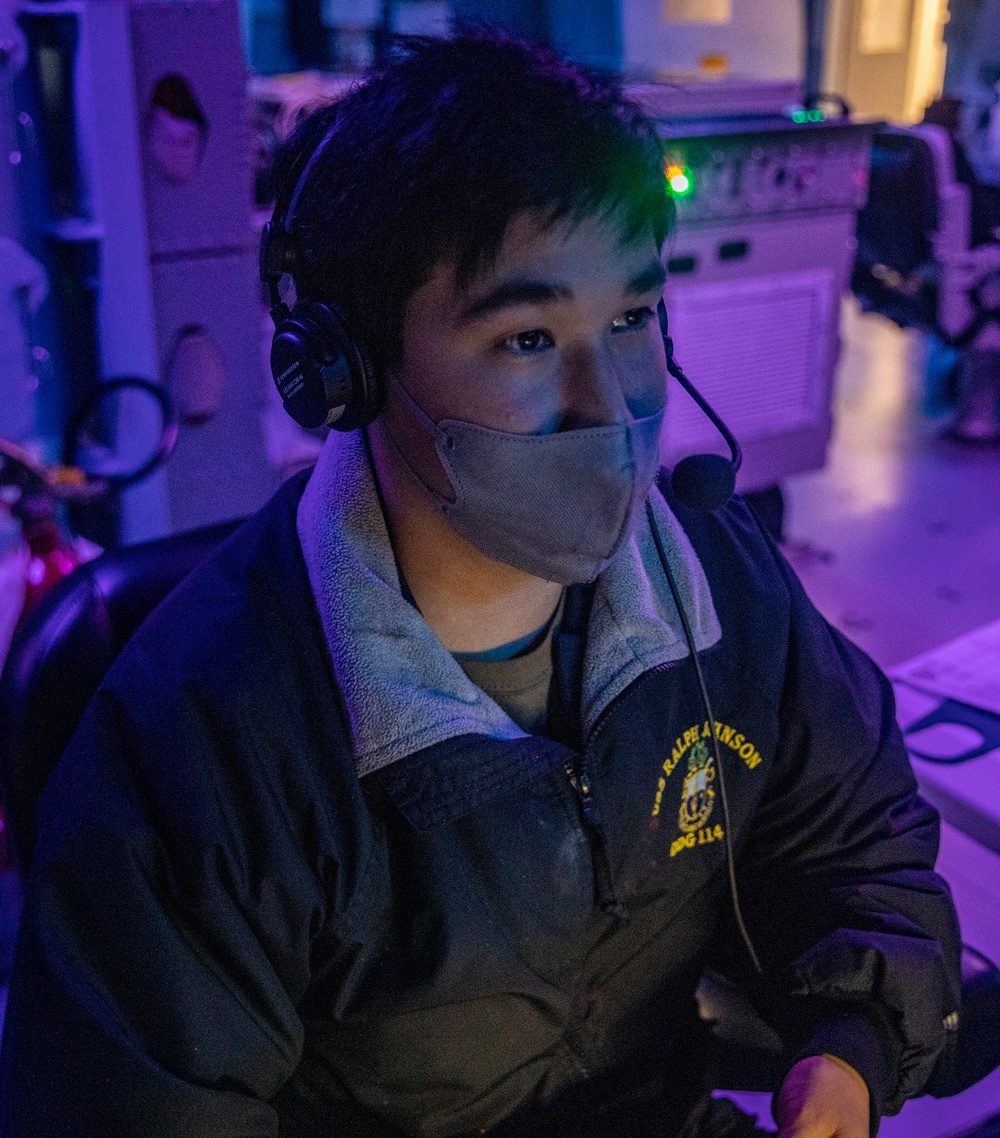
(592, 391)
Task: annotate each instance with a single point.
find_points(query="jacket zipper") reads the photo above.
(594, 829)
(593, 823)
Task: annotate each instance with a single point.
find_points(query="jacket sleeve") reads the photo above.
(159, 963)
(857, 935)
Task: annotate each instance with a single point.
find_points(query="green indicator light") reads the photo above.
(679, 180)
(798, 116)
(815, 116)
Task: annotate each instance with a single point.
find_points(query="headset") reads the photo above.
(323, 375)
(326, 378)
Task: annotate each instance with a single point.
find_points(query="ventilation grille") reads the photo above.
(757, 351)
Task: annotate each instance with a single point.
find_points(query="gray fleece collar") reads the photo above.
(402, 688)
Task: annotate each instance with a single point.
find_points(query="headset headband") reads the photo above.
(323, 375)
(277, 249)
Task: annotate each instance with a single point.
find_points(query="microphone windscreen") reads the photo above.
(704, 481)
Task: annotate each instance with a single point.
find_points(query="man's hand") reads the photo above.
(822, 1097)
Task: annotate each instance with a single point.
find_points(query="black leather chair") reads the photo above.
(894, 271)
(64, 648)
(61, 652)
(916, 260)
(923, 262)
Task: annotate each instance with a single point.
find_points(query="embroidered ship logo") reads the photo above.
(698, 795)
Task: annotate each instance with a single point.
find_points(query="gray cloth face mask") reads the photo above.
(558, 506)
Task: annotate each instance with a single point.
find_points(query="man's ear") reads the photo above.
(407, 429)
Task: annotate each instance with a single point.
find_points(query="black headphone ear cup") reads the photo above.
(371, 393)
(366, 387)
(322, 375)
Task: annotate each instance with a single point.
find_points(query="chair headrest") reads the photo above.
(896, 225)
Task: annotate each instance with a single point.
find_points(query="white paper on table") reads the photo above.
(966, 669)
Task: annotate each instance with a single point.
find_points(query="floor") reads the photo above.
(898, 542)
(897, 539)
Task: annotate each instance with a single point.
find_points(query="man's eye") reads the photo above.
(528, 343)
(634, 318)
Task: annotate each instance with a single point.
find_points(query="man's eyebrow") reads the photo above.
(509, 294)
(652, 277)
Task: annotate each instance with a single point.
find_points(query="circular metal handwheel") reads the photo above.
(108, 470)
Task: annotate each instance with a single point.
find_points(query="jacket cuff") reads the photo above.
(865, 1040)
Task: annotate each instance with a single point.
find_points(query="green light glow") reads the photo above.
(803, 115)
(679, 180)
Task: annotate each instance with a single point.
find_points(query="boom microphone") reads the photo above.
(702, 481)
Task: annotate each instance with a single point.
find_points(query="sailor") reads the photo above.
(372, 829)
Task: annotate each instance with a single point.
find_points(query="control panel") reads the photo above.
(739, 175)
(766, 190)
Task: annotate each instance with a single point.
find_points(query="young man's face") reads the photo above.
(561, 333)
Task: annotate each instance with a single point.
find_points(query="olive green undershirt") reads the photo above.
(519, 684)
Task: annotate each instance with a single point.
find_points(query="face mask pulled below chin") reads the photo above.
(558, 506)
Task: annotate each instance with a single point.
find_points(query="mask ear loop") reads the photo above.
(689, 636)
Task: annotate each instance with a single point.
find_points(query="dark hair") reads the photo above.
(435, 154)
